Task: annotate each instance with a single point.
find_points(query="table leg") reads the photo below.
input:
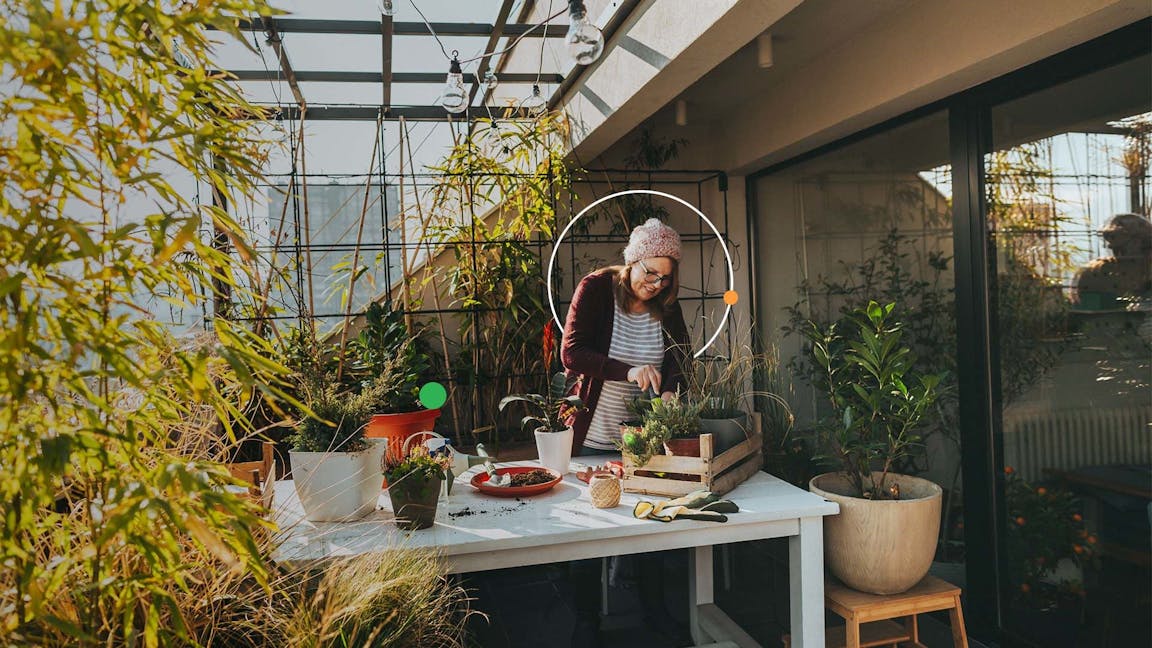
(699, 588)
(806, 583)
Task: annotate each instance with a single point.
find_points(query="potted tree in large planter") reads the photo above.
(885, 536)
(387, 355)
(336, 471)
(546, 414)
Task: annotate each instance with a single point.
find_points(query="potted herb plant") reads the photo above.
(336, 471)
(547, 414)
(885, 536)
(682, 420)
(414, 482)
(392, 365)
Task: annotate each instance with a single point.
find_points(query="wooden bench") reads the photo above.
(869, 617)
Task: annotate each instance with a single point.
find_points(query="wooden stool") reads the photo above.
(868, 617)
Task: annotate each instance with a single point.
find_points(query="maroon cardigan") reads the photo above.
(588, 337)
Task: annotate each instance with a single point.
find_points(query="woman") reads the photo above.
(625, 335)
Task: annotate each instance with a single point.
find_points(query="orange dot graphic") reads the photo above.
(731, 297)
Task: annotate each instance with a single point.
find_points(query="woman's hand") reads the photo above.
(646, 377)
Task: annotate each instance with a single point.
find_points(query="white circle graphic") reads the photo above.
(727, 256)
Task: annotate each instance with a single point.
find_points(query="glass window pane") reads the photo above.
(1067, 189)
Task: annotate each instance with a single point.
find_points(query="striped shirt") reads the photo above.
(636, 340)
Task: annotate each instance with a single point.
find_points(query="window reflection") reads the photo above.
(1067, 198)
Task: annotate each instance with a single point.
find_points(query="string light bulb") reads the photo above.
(535, 103)
(584, 40)
(489, 80)
(454, 99)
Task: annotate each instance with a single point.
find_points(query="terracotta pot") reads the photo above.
(414, 502)
(398, 427)
(686, 447)
(880, 546)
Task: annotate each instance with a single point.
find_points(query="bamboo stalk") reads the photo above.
(427, 265)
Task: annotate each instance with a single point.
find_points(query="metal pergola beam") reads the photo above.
(493, 40)
(285, 66)
(336, 76)
(372, 27)
(386, 30)
(372, 113)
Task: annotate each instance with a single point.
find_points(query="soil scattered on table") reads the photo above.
(465, 512)
(468, 511)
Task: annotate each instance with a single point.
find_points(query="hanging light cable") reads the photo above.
(585, 42)
(454, 99)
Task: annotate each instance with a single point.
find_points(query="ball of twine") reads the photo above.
(605, 490)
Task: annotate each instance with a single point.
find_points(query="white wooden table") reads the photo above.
(475, 532)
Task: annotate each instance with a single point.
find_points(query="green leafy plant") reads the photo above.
(419, 463)
(1045, 527)
(108, 515)
(642, 442)
(662, 419)
(337, 421)
(677, 414)
(878, 399)
(390, 362)
(548, 412)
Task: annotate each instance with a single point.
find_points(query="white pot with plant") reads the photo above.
(335, 469)
(885, 536)
(546, 416)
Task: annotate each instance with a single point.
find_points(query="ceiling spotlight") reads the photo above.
(585, 42)
(764, 55)
(535, 103)
(455, 95)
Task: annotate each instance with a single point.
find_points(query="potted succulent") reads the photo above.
(1046, 544)
(414, 482)
(885, 536)
(547, 413)
(392, 365)
(335, 470)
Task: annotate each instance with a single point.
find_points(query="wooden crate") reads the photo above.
(717, 473)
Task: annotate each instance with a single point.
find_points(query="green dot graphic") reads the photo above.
(433, 395)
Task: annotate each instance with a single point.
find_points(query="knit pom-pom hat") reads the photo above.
(652, 239)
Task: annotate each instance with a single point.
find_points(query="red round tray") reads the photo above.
(480, 482)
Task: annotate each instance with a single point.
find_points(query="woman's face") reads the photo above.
(650, 276)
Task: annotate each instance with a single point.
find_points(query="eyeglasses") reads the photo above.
(655, 277)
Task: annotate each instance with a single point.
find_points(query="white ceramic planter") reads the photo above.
(881, 546)
(338, 486)
(555, 449)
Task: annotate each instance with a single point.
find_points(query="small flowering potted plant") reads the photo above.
(414, 481)
(1047, 545)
